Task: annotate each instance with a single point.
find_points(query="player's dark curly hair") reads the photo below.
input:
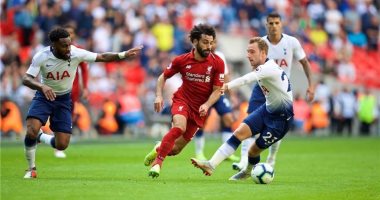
(57, 34)
(200, 29)
(274, 15)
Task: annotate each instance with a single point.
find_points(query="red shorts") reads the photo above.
(194, 120)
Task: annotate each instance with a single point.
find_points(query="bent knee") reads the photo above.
(174, 152)
(61, 147)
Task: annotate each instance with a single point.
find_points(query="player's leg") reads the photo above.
(243, 154)
(60, 124)
(167, 143)
(199, 142)
(256, 100)
(181, 142)
(223, 108)
(228, 120)
(254, 123)
(253, 159)
(224, 151)
(38, 114)
(273, 150)
(30, 145)
(276, 128)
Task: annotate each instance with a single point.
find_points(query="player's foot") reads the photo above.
(154, 172)
(204, 165)
(242, 175)
(59, 154)
(233, 158)
(200, 156)
(149, 158)
(271, 162)
(238, 166)
(31, 173)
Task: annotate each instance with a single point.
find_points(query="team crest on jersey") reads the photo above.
(188, 67)
(209, 70)
(180, 108)
(258, 69)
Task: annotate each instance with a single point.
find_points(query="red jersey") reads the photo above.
(76, 91)
(198, 78)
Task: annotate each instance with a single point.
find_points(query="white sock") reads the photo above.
(226, 136)
(246, 144)
(199, 144)
(249, 167)
(273, 149)
(221, 154)
(30, 154)
(46, 138)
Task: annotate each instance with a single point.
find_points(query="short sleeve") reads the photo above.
(85, 55)
(219, 73)
(35, 66)
(298, 51)
(172, 69)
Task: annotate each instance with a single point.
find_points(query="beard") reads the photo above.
(203, 52)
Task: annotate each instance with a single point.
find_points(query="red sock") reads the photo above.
(167, 144)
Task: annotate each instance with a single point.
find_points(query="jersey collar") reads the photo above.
(278, 41)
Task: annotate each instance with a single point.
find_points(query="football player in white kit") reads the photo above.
(57, 65)
(271, 121)
(284, 49)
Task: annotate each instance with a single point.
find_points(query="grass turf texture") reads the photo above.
(307, 168)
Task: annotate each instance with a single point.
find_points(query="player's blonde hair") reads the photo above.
(263, 46)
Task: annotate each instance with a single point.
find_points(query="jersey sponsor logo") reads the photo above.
(207, 80)
(58, 75)
(188, 66)
(281, 62)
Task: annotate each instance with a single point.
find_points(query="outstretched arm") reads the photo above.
(108, 57)
(306, 68)
(248, 78)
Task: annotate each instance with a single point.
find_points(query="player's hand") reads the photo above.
(133, 52)
(48, 92)
(310, 94)
(223, 89)
(158, 104)
(203, 109)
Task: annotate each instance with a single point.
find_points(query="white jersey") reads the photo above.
(57, 73)
(274, 83)
(221, 55)
(284, 52)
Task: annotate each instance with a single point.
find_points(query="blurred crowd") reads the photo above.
(340, 37)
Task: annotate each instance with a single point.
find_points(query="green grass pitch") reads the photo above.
(307, 168)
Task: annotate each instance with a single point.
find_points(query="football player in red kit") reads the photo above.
(202, 75)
